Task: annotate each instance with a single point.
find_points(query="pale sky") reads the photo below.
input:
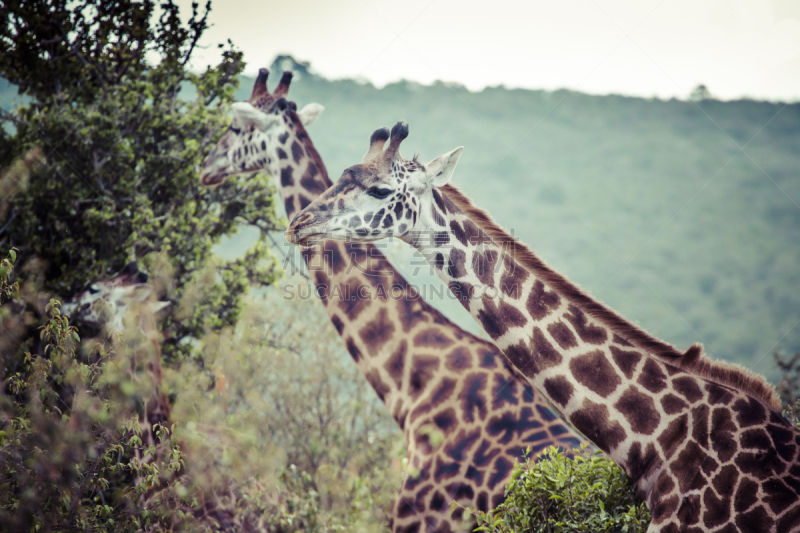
(645, 48)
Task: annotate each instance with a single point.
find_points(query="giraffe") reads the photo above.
(431, 374)
(123, 305)
(702, 440)
(103, 304)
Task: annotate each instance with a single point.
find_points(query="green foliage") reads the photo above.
(8, 289)
(101, 83)
(255, 445)
(287, 415)
(123, 147)
(559, 494)
(67, 440)
(84, 49)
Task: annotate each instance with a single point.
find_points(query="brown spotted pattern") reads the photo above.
(466, 414)
(707, 456)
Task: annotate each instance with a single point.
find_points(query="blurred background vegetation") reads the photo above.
(649, 204)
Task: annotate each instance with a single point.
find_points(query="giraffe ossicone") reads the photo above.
(703, 440)
(466, 414)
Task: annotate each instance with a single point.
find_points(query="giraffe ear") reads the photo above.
(158, 306)
(439, 171)
(310, 113)
(245, 114)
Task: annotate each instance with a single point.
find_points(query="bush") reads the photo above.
(559, 494)
(254, 445)
(70, 438)
(287, 418)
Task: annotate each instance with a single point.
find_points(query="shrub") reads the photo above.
(286, 417)
(110, 100)
(69, 433)
(560, 494)
(255, 445)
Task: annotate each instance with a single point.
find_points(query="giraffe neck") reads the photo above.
(704, 442)
(613, 391)
(350, 278)
(540, 332)
(301, 173)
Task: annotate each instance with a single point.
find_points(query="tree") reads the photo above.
(98, 169)
(700, 93)
(122, 142)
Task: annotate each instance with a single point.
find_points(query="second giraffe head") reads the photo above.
(384, 196)
(256, 135)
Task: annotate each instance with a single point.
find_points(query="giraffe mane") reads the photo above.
(693, 360)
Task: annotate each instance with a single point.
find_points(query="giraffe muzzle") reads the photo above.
(299, 231)
(216, 166)
(212, 174)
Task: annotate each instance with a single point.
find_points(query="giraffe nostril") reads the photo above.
(304, 219)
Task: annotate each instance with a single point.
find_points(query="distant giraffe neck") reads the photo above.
(685, 440)
(299, 167)
(127, 320)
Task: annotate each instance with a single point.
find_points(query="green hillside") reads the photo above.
(648, 204)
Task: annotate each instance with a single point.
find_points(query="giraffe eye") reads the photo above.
(93, 290)
(378, 192)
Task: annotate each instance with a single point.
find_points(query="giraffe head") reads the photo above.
(250, 143)
(386, 195)
(104, 303)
